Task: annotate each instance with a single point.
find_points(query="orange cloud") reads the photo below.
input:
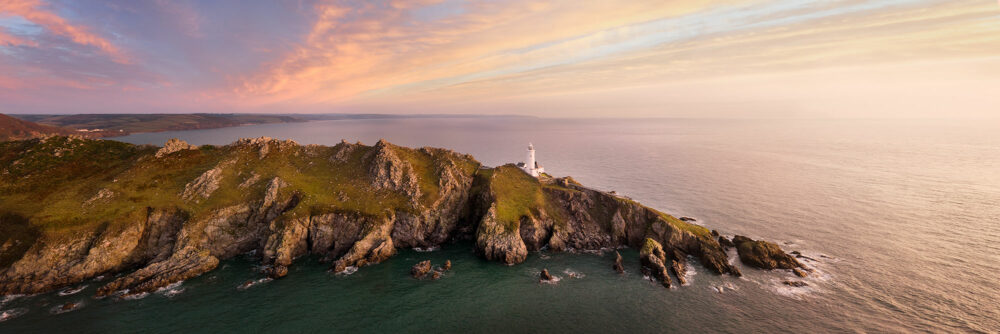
(352, 51)
(36, 12)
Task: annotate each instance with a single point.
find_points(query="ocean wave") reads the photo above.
(573, 274)
(249, 284)
(347, 271)
(9, 298)
(171, 290)
(67, 307)
(555, 279)
(72, 291)
(137, 296)
(12, 313)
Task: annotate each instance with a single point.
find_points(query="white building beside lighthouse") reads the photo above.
(531, 166)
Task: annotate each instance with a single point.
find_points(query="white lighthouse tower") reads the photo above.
(531, 166)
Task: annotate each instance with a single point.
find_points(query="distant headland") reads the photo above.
(14, 127)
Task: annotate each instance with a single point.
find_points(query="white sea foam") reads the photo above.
(135, 296)
(250, 284)
(573, 274)
(171, 290)
(71, 291)
(61, 308)
(428, 249)
(9, 298)
(347, 271)
(12, 313)
(555, 279)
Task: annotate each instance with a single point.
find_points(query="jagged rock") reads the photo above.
(174, 145)
(763, 254)
(618, 263)
(203, 186)
(652, 258)
(799, 272)
(545, 276)
(420, 269)
(447, 265)
(390, 172)
(689, 219)
(68, 306)
(435, 275)
(495, 242)
(679, 269)
(264, 144)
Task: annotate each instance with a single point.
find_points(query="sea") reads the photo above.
(899, 218)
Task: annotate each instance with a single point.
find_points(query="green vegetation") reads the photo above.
(517, 194)
(648, 246)
(62, 185)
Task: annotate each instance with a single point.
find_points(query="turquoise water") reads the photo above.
(902, 218)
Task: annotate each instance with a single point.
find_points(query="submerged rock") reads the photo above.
(799, 272)
(763, 254)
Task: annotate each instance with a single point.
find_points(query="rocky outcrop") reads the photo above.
(763, 254)
(389, 172)
(497, 242)
(174, 145)
(206, 183)
(653, 259)
(619, 268)
(420, 269)
(544, 275)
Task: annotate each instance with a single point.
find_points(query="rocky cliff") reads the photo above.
(72, 209)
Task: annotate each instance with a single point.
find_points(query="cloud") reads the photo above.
(38, 13)
(560, 57)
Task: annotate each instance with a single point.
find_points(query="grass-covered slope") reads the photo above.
(15, 129)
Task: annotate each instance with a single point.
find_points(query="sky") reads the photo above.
(578, 58)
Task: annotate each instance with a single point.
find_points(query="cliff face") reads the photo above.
(74, 209)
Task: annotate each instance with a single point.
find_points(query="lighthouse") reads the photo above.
(531, 166)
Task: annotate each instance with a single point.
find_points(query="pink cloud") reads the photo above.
(38, 13)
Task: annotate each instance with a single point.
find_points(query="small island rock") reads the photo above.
(420, 269)
(762, 254)
(545, 276)
(618, 263)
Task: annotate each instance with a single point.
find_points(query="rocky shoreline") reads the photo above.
(157, 216)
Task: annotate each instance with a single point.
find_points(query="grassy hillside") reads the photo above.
(61, 183)
(13, 129)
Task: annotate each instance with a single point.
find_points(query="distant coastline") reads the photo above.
(116, 125)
